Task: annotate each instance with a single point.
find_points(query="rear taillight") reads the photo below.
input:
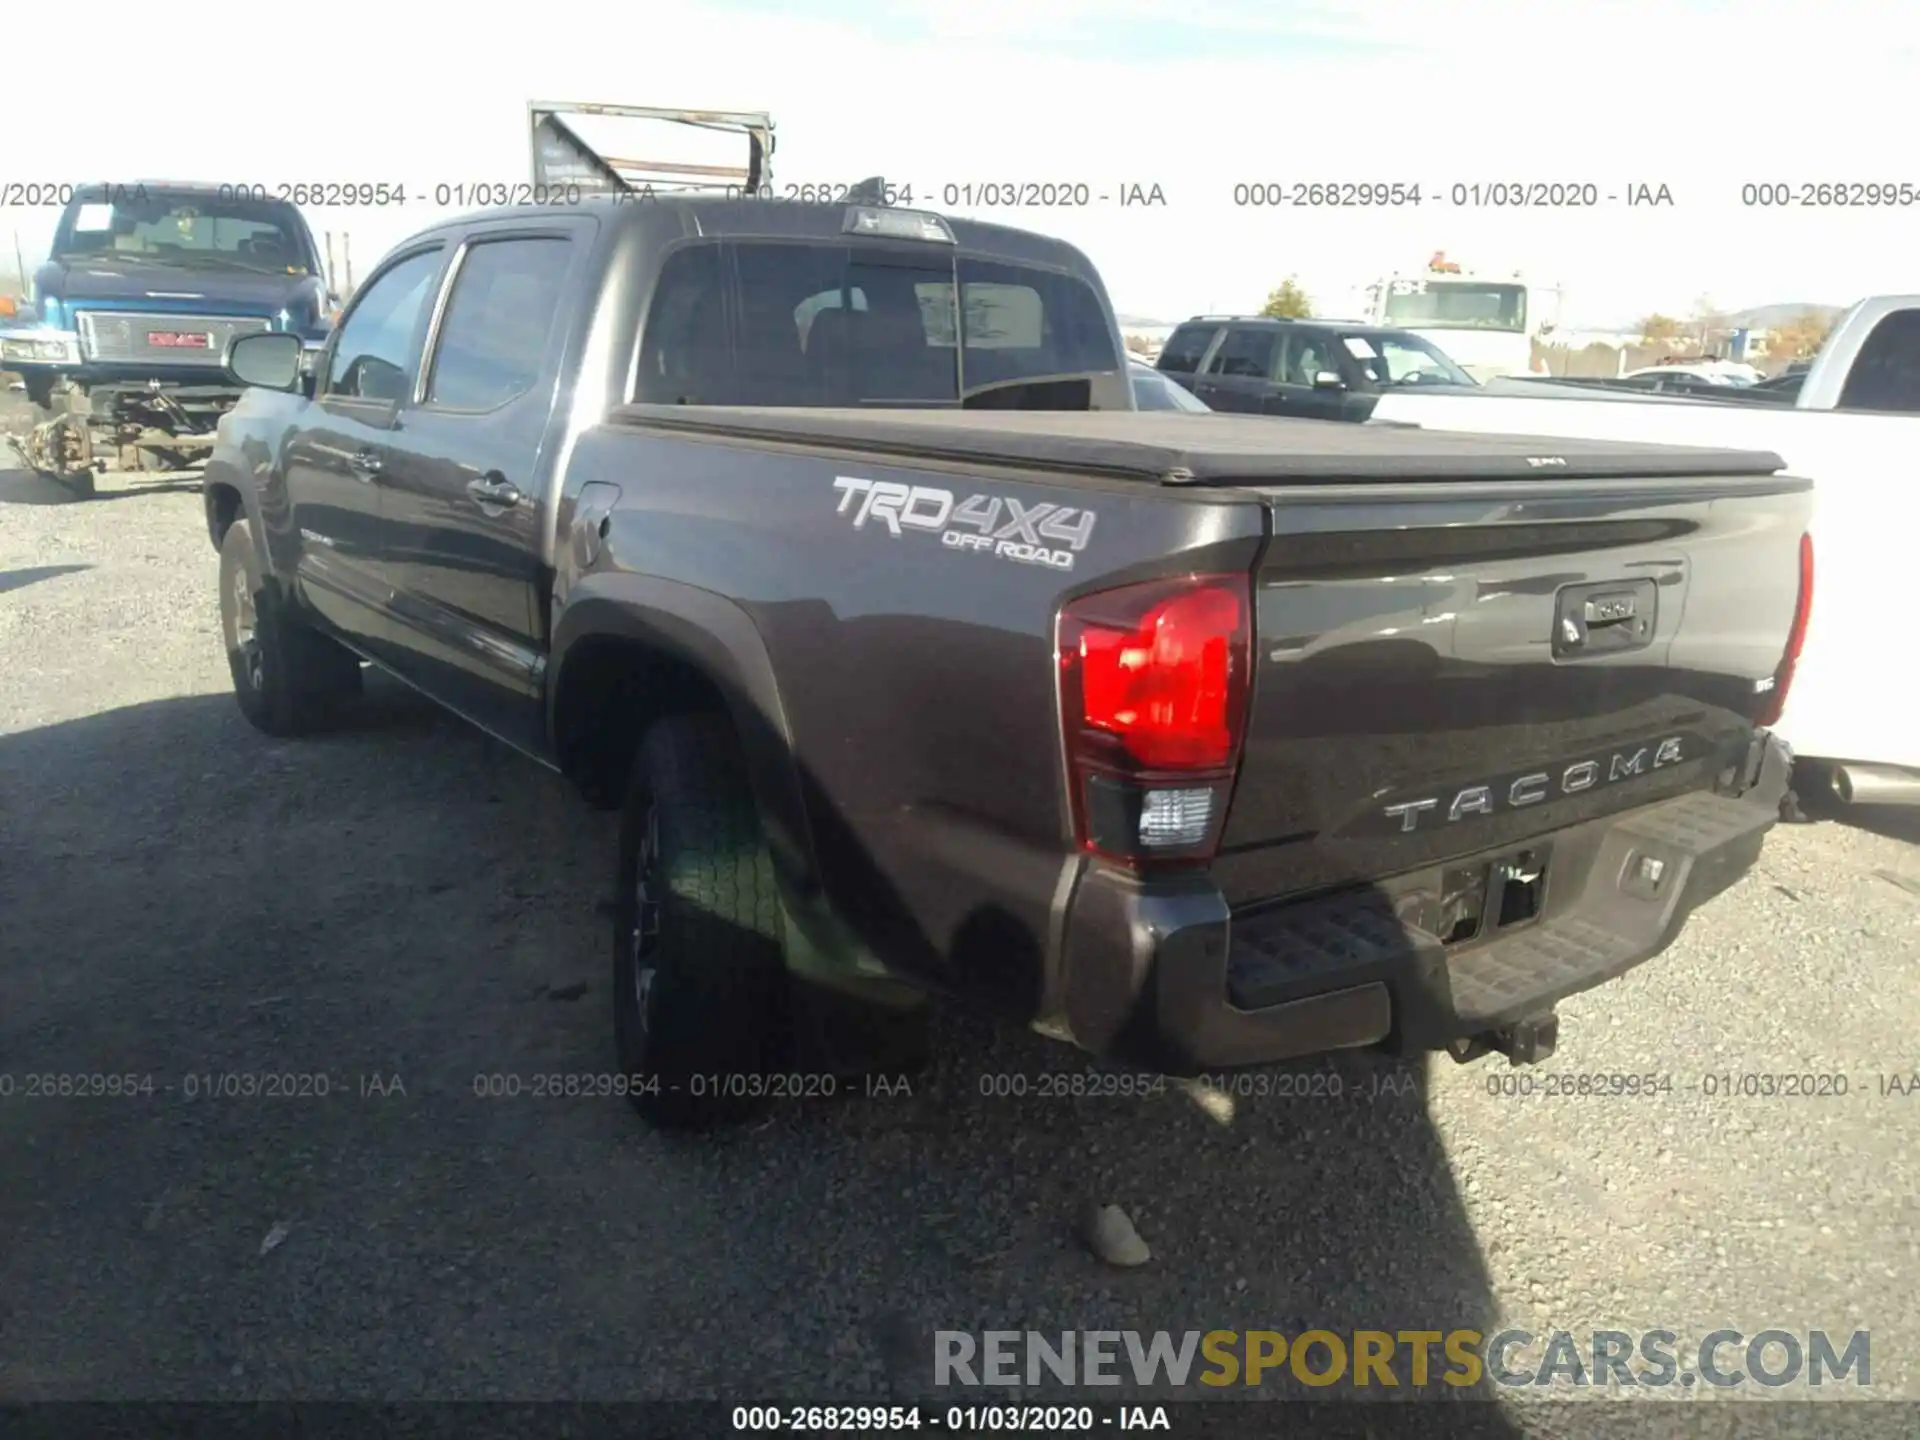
(1776, 701)
(1153, 696)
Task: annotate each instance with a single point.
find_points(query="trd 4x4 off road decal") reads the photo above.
(999, 525)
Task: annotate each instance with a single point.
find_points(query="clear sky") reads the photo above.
(1192, 95)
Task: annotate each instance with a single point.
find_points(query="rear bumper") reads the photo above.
(1164, 975)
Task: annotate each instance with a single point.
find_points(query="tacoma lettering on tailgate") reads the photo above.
(1513, 792)
(999, 525)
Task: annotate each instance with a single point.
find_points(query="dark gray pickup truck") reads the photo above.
(825, 542)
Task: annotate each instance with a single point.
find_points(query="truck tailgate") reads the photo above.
(1444, 668)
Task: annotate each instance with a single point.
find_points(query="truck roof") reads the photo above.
(675, 216)
(1187, 449)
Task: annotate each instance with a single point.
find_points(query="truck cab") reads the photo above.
(1485, 323)
(145, 285)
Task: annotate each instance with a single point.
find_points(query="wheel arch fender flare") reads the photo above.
(250, 469)
(717, 639)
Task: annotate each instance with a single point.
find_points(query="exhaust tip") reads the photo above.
(1862, 784)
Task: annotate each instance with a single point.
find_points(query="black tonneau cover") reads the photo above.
(1175, 448)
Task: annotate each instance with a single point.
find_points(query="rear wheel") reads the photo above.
(287, 677)
(699, 974)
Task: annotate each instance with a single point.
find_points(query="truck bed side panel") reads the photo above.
(916, 674)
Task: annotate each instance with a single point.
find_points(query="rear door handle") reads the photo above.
(366, 464)
(490, 490)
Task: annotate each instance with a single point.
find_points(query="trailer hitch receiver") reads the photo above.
(1525, 1042)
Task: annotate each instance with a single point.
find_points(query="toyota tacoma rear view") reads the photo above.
(825, 543)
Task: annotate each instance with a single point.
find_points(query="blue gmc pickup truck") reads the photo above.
(146, 285)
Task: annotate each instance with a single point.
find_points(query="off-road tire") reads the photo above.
(699, 976)
(288, 678)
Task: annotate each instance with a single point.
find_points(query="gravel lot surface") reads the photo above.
(405, 905)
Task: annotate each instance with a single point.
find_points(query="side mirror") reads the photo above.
(271, 361)
(1328, 380)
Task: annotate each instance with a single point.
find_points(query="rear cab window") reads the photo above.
(1886, 373)
(770, 323)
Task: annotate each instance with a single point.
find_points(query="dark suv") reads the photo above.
(1308, 369)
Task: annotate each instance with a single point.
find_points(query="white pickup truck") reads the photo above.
(1853, 426)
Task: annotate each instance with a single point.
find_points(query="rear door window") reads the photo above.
(500, 317)
(762, 323)
(1247, 353)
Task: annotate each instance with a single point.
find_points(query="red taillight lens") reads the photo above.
(1163, 685)
(1153, 691)
(1776, 702)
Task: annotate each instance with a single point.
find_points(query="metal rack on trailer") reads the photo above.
(562, 157)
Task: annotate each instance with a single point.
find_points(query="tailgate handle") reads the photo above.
(1607, 618)
(1610, 609)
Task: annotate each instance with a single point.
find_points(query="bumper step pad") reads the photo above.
(1637, 876)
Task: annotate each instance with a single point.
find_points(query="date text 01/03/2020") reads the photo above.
(1463, 194)
(1234, 1084)
(1057, 194)
(1717, 1085)
(201, 1085)
(1004, 1419)
(795, 1085)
